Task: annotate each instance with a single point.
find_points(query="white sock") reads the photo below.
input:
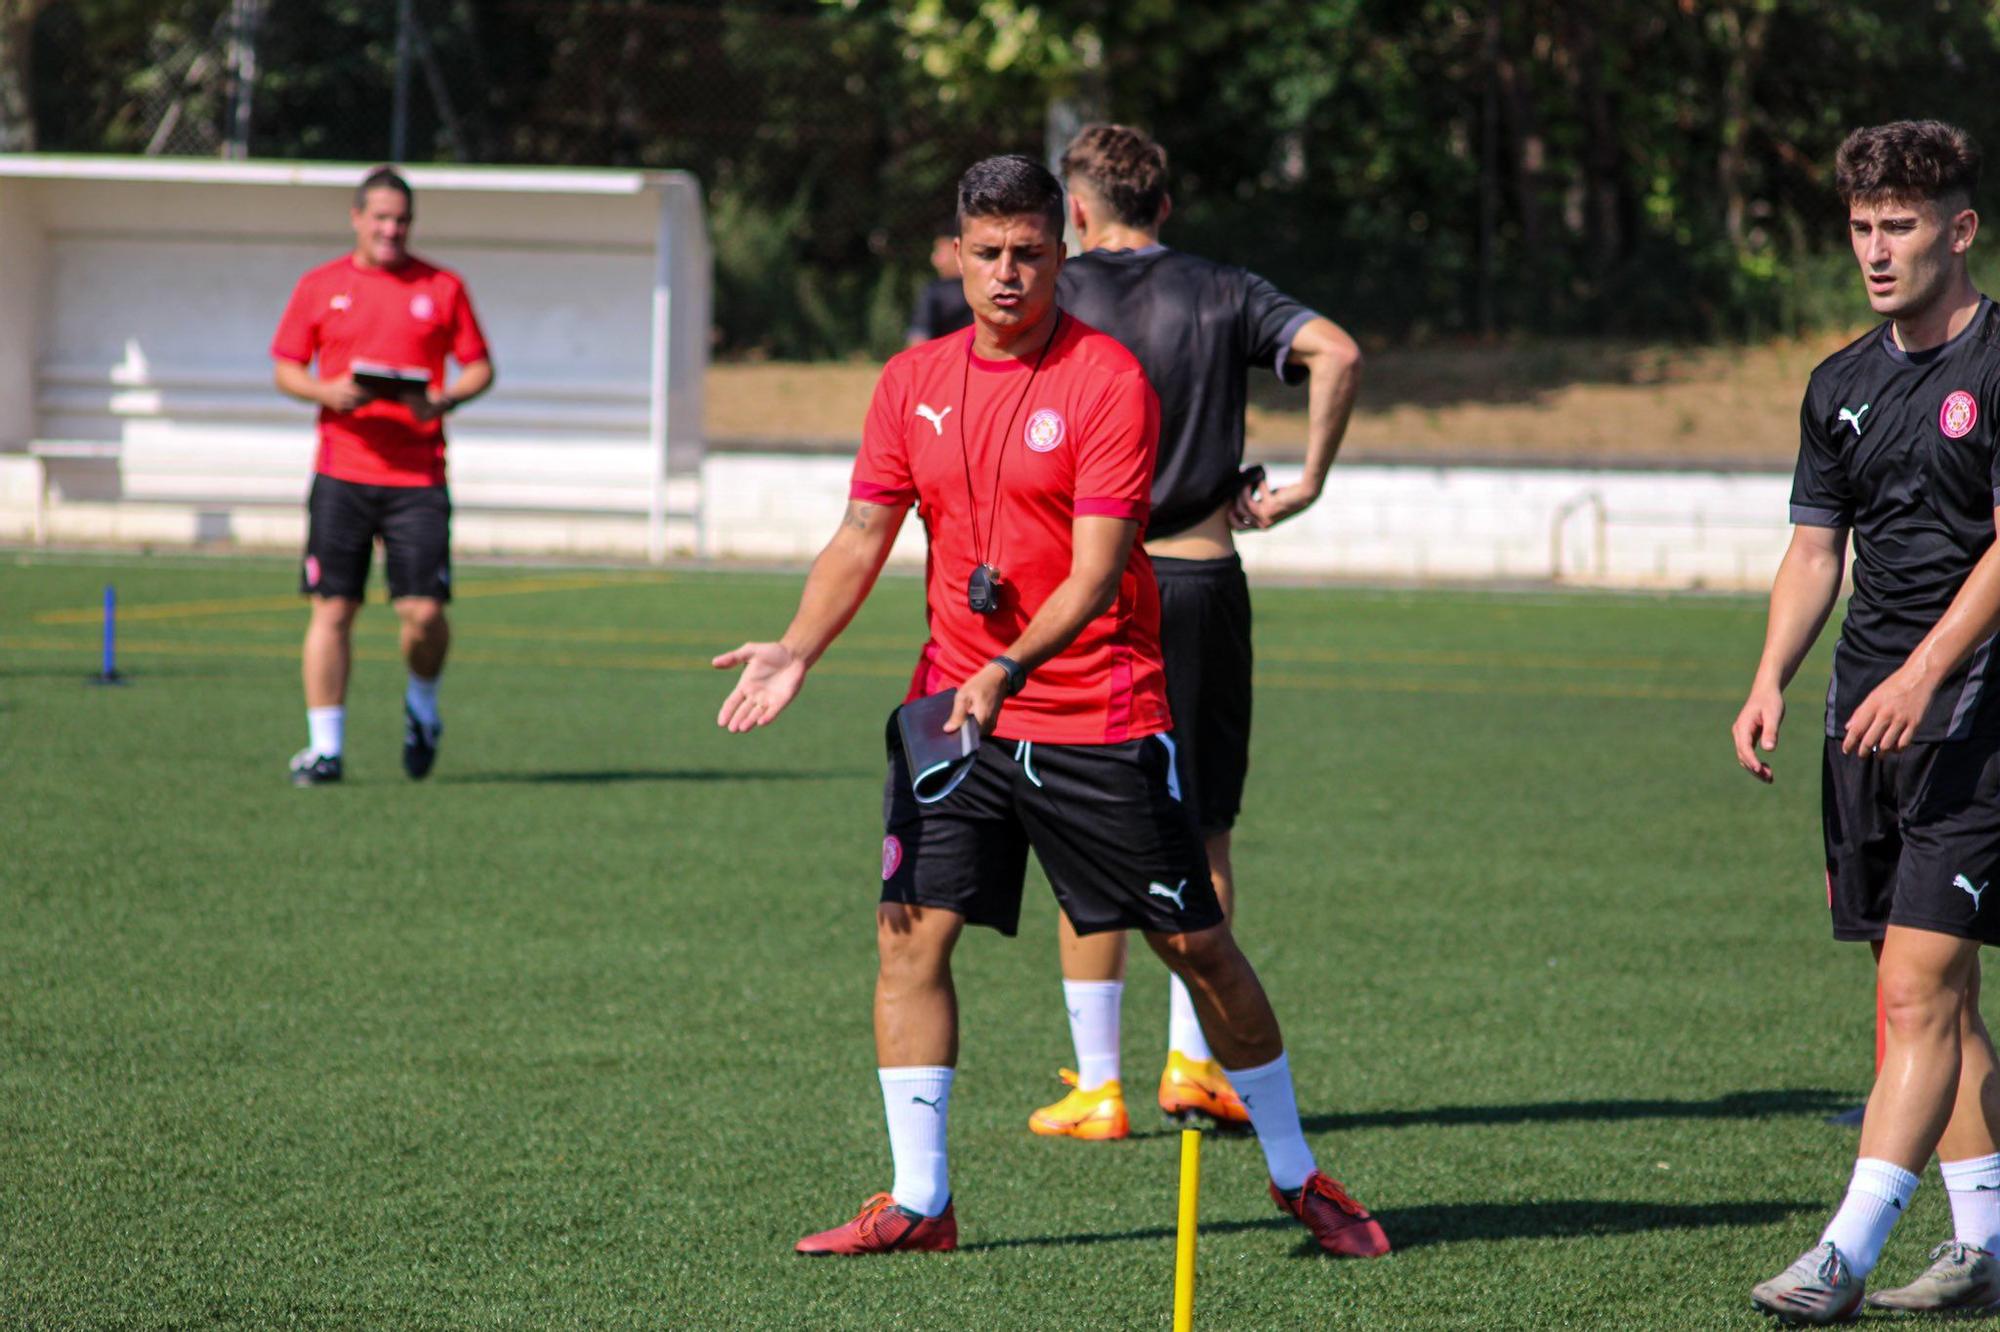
(324, 727)
(918, 1101)
(1093, 1029)
(1876, 1199)
(1274, 1112)
(1183, 1027)
(421, 697)
(1974, 1189)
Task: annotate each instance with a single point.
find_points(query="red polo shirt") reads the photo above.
(414, 315)
(1001, 459)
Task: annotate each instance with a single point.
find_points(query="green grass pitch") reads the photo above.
(576, 1033)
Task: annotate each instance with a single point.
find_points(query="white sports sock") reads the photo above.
(421, 697)
(1974, 1189)
(324, 728)
(1274, 1112)
(1878, 1196)
(1093, 1028)
(917, 1101)
(1183, 1027)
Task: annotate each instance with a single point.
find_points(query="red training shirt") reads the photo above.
(413, 315)
(1079, 440)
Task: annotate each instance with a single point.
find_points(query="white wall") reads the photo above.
(1617, 528)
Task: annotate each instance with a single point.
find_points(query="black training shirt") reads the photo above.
(940, 309)
(1197, 327)
(1900, 447)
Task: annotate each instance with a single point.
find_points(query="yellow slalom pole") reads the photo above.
(1185, 1233)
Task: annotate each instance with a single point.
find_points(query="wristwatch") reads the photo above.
(1017, 678)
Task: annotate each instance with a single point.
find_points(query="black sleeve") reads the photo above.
(1822, 493)
(1271, 320)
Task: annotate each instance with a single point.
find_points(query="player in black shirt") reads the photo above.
(1900, 445)
(940, 307)
(1198, 328)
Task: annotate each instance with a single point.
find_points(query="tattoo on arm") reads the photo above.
(859, 515)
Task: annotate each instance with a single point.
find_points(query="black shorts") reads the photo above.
(343, 520)
(1913, 839)
(1205, 638)
(1106, 821)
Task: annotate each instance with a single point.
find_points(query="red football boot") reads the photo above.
(1341, 1225)
(884, 1227)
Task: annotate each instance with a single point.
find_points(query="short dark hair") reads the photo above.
(382, 178)
(1010, 186)
(1925, 160)
(1124, 168)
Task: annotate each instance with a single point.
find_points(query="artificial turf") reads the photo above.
(575, 1034)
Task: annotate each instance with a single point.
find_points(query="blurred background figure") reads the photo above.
(940, 307)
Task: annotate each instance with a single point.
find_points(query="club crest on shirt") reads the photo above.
(1045, 430)
(422, 306)
(340, 302)
(892, 856)
(1958, 415)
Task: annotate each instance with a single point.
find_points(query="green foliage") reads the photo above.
(1414, 167)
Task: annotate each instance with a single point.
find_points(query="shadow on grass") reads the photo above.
(1734, 1105)
(1453, 1223)
(606, 776)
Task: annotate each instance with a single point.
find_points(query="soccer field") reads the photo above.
(576, 1034)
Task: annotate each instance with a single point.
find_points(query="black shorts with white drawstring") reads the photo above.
(1107, 822)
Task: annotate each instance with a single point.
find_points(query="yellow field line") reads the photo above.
(863, 670)
(195, 610)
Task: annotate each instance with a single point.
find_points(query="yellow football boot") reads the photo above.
(1095, 1115)
(1191, 1088)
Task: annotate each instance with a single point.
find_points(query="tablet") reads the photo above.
(938, 759)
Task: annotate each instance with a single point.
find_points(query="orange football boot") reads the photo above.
(884, 1227)
(1192, 1088)
(1095, 1115)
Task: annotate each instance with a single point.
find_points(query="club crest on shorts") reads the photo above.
(1045, 430)
(1958, 415)
(422, 306)
(312, 571)
(892, 856)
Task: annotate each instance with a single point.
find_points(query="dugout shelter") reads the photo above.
(138, 297)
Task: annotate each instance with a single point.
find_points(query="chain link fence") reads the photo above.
(824, 192)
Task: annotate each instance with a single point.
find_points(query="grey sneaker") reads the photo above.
(1817, 1288)
(1962, 1278)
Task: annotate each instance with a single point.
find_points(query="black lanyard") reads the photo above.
(982, 590)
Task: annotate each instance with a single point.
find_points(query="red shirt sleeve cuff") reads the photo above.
(287, 354)
(870, 493)
(1103, 507)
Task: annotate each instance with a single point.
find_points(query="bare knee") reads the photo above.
(1916, 1005)
(1198, 952)
(914, 947)
(421, 615)
(335, 614)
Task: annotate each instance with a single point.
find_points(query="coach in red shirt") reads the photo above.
(380, 322)
(1028, 443)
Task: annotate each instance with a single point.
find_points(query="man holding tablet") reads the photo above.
(1029, 443)
(380, 322)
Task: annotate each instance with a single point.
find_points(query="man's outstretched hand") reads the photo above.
(770, 680)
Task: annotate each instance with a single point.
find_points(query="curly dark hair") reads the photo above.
(1124, 168)
(1908, 159)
